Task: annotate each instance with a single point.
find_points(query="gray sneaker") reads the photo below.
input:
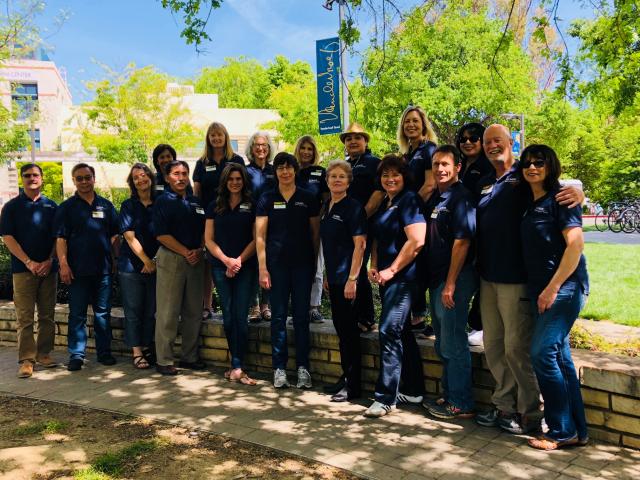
(304, 378)
(315, 316)
(518, 424)
(280, 378)
(488, 419)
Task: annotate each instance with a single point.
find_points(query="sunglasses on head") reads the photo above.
(536, 163)
(470, 138)
(86, 178)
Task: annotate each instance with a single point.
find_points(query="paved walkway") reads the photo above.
(404, 445)
(610, 237)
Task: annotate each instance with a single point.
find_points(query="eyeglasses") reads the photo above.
(536, 163)
(471, 138)
(31, 175)
(260, 145)
(286, 166)
(85, 178)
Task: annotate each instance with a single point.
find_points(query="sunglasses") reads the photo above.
(31, 175)
(471, 138)
(536, 163)
(86, 178)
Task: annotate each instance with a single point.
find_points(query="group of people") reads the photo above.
(478, 229)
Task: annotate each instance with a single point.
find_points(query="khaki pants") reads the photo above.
(179, 290)
(29, 291)
(508, 326)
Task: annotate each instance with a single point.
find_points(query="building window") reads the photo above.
(25, 97)
(37, 140)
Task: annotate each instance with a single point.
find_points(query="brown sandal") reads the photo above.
(140, 362)
(544, 443)
(244, 379)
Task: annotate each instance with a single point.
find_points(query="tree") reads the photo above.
(52, 179)
(443, 62)
(131, 113)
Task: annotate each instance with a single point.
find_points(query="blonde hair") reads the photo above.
(427, 128)
(344, 165)
(207, 155)
(301, 141)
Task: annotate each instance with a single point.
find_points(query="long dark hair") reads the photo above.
(473, 128)
(148, 172)
(223, 200)
(551, 162)
(160, 149)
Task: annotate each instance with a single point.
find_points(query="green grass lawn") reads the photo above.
(614, 274)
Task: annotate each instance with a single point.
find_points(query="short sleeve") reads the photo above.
(198, 172)
(60, 228)
(324, 188)
(7, 221)
(464, 219)
(210, 214)
(411, 210)
(264, 205)
(569, 217)
(427, 155)
(357, 222)
(314, 207)
(160, 223)
(125, 219)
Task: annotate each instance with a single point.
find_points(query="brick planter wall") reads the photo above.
(610, 383)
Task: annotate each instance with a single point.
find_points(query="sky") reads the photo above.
(116, 32)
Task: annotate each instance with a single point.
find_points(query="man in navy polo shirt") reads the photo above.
(451, 224)
(86, 227)
(26, 226)
(178, 221)
(504, 303)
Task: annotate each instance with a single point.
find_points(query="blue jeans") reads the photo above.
(399, 353)
(294, 281)
(452, 344)
(551, 358)
(138, 292)
(94, 290)
(235, 297)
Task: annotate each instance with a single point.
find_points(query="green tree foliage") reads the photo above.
(131, 113)
(454, 62)
(52, 179)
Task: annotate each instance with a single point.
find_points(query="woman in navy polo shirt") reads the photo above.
(417, 142)
(398, 230)
(557, 280)
(229, 238)
(287, 240)
(260, 152)
(343, 228)
(137, 267)
(162, 155)
(312, 177)
(206, 178)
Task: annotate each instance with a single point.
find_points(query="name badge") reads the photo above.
(210, 168)
(486, 190)
(279, 205)
(245, 206)
(200, 210)
(160, 188)
(316, 173)
(97, 214)
(434, 214)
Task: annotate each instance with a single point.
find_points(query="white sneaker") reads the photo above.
(280, 378)
(414, 400)
(475, 338)
(377, 410)
(304, 378)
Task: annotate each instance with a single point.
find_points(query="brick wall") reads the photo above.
(610, 383)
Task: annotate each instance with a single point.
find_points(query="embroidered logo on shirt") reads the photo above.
(540, 210)
(200, 210)
(486, 190)
(300, 204)
(513, 180)
(336, 217)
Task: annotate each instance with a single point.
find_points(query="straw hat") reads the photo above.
(354, 128)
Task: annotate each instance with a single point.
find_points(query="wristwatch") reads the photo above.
(353, 278)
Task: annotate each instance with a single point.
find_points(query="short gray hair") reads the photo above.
(344, 165)
(252, 140)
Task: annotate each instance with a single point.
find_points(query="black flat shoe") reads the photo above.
(107, 360)
(166, 370)
(336, 387)
(197, 365)
(75, 364)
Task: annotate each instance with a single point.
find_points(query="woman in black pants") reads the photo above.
(343, 232)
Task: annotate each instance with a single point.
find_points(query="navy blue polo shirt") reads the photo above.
(387, 228)
(182, 218)
(365, 177)
(419, 161)
(31, 224)
(135, 217)
(543, 243)
(480, 168)
(233, 231)
(450, 215)
(314, 179)
(88, 229)
(338, 226)
(498, 215)
(209, 177)
(162, 186)
(261, 179)
(289, 240)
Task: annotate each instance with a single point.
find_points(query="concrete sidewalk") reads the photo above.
(404, 445)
